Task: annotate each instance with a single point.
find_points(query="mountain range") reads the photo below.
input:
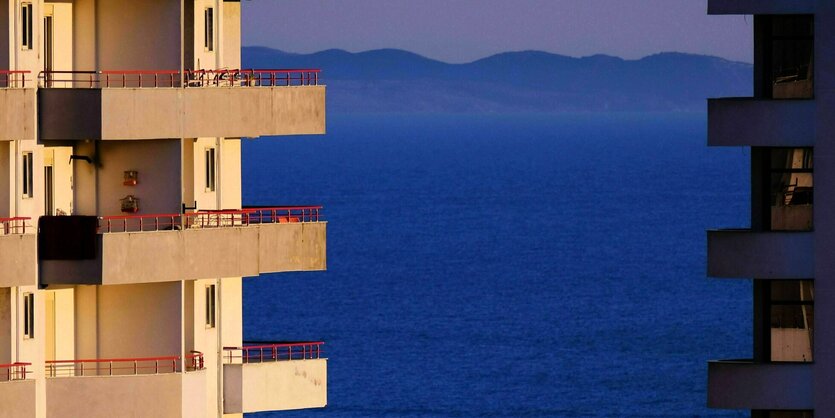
(391, 80)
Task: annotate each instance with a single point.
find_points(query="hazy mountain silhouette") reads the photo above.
(390, 80)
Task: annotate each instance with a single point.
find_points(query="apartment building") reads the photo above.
(788, 249)
(123, 239)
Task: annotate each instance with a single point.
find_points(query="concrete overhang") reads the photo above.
(760, 7)
(154, 113)
(761, 255)
(751, 122)
(195, 253)
(743, 384)
(18, 260)
(275, 386)
(17, 113)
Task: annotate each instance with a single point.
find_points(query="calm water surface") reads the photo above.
(504, 266)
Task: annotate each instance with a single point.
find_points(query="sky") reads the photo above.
(465, 30)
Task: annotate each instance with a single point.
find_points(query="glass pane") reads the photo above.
(792, 52)
(791, 187)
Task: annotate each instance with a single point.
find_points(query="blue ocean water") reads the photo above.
(508, 266)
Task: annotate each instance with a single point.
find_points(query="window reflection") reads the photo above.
(792, 190)
(792, 320)
(791, 48)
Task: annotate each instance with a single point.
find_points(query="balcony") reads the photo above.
(274, 377)
(743, 384)
(16, 389)
(17, 106)
(18, 253)
(140, 387)
(762, 123)
(760, 7)
(119, 105)
(762, 255)
(200, 245)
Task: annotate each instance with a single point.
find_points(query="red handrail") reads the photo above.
(209, 219)
(14, 371)
(13, 78)
(15, 225)
(123, 366)
(275, 352)
(171, 78)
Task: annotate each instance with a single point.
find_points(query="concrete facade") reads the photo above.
(76, 149)
(275, 386)
(789, 129)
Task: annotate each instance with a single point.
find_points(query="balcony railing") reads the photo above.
(10, 226)
(173, 78)
(13, 78)
(209, 219)
(274, 352)
(14, 371)
(123, 366)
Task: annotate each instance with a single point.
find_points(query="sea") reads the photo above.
(508, 265)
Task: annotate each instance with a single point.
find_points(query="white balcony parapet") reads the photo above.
(743, 384)
(274, 377)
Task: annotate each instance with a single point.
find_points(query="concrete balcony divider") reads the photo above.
(195, 253)
(762, 255)
(760, 7)
(125, 113)
(17, 113)
(763, 123)
(18, 260)
(742, 384)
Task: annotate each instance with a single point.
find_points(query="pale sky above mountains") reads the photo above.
(466, 30)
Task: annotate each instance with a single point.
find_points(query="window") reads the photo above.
(782, 414)
(792, 320)
(791, 189)
(26, 40)
(28, 315)
(789, 56)
(211, 163)
(210, 306)
(27, 175)
(209, 32)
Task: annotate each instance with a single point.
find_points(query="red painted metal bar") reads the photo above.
(209, 219)
(123, 366)
(16, 225)
(274, 352)
(14, 371)
(171, 78)
(13, 78)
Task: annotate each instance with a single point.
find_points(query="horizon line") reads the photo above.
(493, 55)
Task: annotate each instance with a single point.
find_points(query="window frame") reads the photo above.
(211, 306)
(27, 175)
(28, 315)
(27, 21)
(210, 155)
(209, 29)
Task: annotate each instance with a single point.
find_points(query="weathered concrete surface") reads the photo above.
(17, 399)
(17, 114)
(162, 395)
(18, 260)
(195, 253)
(152, 113)
(747, 385)
(275, 386)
